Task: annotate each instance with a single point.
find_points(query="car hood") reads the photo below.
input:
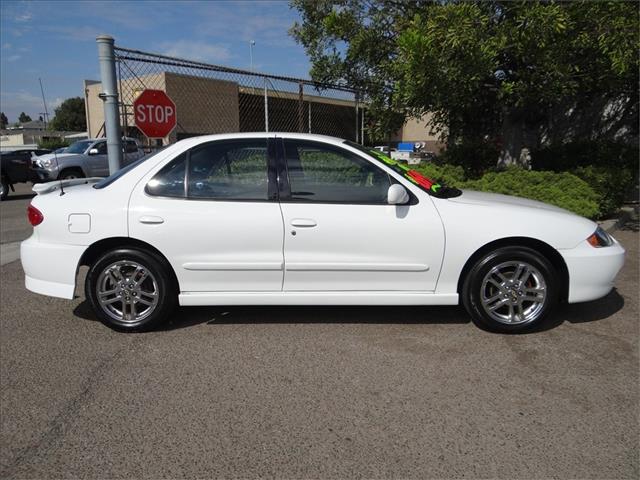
(495, 199)
(48, 156)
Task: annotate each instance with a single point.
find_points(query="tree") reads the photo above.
(24, 118)
(511, 74)
(70, 116)
(4, 121)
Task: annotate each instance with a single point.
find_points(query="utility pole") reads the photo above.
(44, 102)
(252, 44)
(109, 96)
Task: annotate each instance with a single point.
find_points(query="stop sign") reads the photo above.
(155, 113)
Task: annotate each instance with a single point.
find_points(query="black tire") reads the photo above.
(71, 173)
(4, 192)
(537, 294)
(158, 278)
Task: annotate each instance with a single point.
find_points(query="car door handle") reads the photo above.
(151, 219)
(303, 222)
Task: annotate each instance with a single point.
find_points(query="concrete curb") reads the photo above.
(624, 215)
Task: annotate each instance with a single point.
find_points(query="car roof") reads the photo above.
(240, 135)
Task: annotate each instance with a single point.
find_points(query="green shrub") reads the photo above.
(53, 143)
(450, 174)
(561, 189)
(612, 183)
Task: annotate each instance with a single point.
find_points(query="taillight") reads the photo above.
(35, 215)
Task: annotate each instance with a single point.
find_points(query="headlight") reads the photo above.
(44, 162)
(600, 239)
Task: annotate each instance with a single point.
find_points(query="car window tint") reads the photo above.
(229, 170)
(324, 173)
(169, 182)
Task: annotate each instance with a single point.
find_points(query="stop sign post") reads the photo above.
(155, 113)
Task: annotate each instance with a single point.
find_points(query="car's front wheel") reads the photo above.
(510, 290)
(131, 290)
(71, 173)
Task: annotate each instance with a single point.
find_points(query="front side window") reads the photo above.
(79, 147)
(101, 147)
(225, 170)
(323, 173)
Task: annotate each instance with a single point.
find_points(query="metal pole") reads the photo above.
(109, 96)
(362, 127)
(357, 122)
(301, 108)
(251, 44)
(266, 107)
(309, 102)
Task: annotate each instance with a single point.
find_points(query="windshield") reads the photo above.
(123, 171)
(79, 147)
(436, 189)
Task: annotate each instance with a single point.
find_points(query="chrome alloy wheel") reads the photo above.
(127, 291)
(513, 293)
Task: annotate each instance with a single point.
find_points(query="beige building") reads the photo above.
(207, 105)
(420, 130)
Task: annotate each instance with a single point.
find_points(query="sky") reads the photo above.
(55, 41)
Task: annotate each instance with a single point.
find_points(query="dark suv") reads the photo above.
(16, 167)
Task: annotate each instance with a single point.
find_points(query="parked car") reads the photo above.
(297, 219)
(84, 158)
(15, 167)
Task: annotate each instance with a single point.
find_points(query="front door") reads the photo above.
(213, 212)
(340, 232)
(99, 162)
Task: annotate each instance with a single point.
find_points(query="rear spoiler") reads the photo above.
(42, 188)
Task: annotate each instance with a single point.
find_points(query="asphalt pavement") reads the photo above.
(317, 392)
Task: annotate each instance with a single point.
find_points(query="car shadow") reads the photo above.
(185, 317)
(22, 196)
(586, 312)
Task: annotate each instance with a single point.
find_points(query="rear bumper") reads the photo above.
(592, 271)
(50, 269)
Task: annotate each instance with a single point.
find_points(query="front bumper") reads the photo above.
(43, 175)
(592, 271)
(50, 269)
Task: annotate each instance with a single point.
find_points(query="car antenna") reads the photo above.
(55, 155)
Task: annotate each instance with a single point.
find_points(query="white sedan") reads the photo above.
(296, 219)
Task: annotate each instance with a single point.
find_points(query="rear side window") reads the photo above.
(225, 170)
(169, 182)
(229, 170)
(327, 174)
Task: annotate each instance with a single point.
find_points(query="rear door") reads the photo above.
(213, 212)
(340, 232)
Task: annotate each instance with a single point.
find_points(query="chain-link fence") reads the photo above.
(216, 99)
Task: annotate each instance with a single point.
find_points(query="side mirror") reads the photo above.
(93, 151)
(397, 195)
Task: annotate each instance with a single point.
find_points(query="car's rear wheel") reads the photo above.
(71, 173)
(510, 290)
(131, 290)
(4, 188)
